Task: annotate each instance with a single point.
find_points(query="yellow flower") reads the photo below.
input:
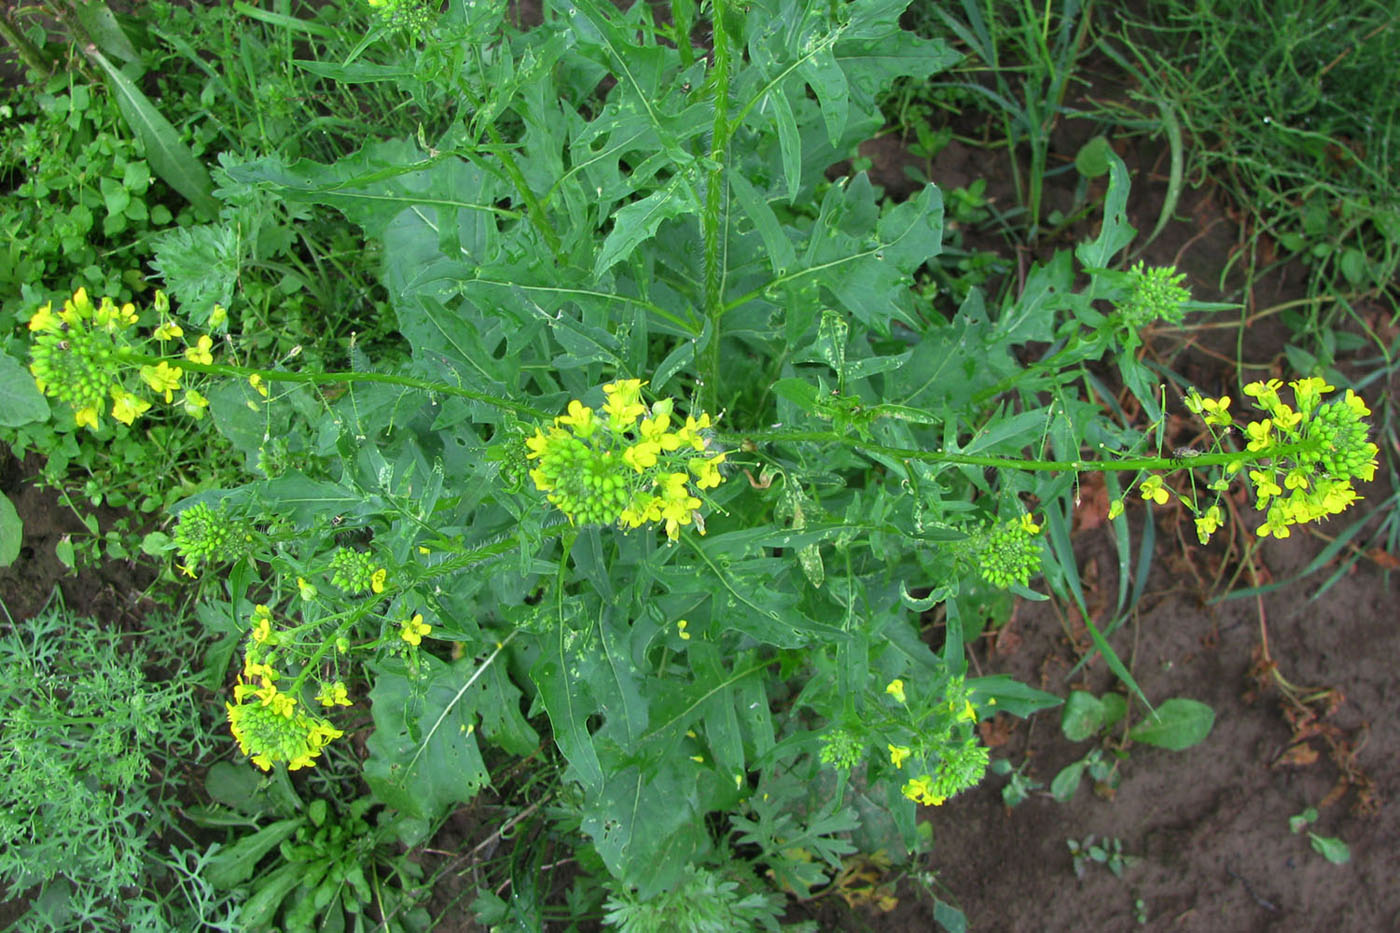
(414, 629)
(86, 417)
(1217, 411)
(1264, 485)
(1115, 509)
(642, 455)
(896, 690)
(168, 330)
(126, 407)
(680, 630)
(200, 352)
(1028, 525)
(1258, 433)
(969, 713)
(307, 591)
(898, 753)
(256, 382)
(624, 404)
(336, 694)
(580, 418)
(1265, 392)
(44, 319)
(1152, 490)
(706, 471)
(194, 404)
(281, 704)
(920, 790)
(1207, 524)
(376, 580)
(162, 377)
(262, 626)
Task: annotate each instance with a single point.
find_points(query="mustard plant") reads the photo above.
(679, 462)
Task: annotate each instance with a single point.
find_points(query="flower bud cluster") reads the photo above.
(945, 743)
(1154, 294)
(356, 572)
(204, 534)
(625, 464)
(79, 356)
(1008, 553)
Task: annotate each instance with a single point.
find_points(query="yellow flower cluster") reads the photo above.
(1310, 452)
(626, 463)
(79, 353)
(272, 729)
(942, 741)
(268, 722)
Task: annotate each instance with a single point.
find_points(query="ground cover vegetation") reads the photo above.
(527, 415)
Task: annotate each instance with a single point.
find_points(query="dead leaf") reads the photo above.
(1298, 756)
(996, 731)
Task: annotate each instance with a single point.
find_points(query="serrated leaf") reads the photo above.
(1176, 724)
(170, 158)
(868, 274)
(567, 706)
(423, 755)
(200, 267)
(1116, 232)
(638, 221)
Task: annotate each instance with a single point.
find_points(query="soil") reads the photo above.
(1206, 829)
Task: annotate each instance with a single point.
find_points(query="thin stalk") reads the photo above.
(1232, 458)
(714, 206)
(309, 377)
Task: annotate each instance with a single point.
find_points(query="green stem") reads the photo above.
(1010, 463)
(714, 205)
(28, 52)
(320, 378)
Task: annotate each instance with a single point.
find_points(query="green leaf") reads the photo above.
(232, 866)
(1091, 160)
(1082, 716)
(949, 917)
(200, 266)
(868, 274)
(567, 707)
(638, 221)
(171, 159)
(11, 531)
(1064, 785)
(233, 785)
(259, 910)
(104, 30)
(1331, 848)
(423, 753)
(1116, 232)
(1005, 694)
(1176, 724)
(21, 402)
(646, 827)
(63, 550)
